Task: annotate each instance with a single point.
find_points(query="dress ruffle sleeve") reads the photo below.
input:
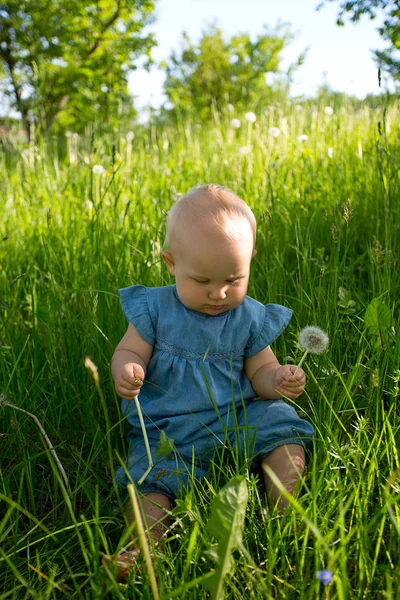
(274, 320)
(136, 309)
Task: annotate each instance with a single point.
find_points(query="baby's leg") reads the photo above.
(288, 463)
(155, 520)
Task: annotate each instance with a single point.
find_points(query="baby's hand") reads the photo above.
(289, 384)
(129, 381)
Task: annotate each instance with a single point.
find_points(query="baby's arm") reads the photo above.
(129, 363)
(269, 379)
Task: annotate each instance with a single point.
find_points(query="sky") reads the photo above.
(340, 56)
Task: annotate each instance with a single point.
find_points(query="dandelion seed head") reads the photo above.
(313, 339)
(98, 170)
(328, 110)
(325, 576)
(303, 138)
(230, 107)
(235, 123)
(274, 132)
(243, 150)
(330, 152)
(130, 136)
(250, 117)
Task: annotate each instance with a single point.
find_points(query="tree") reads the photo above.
(65, 63)
(207, 76)
(389, 59)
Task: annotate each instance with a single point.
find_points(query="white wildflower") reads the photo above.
(104, 88)
(274, 132)
(328, 110)
(298, 108)
(312, 339)
(130, 136)
(243, 150)
(250, 117)
(235, 123)
(330, 152)
(98, 170)
(230, 107)
(303, 138)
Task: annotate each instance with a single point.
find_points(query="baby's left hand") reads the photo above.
(289, 384)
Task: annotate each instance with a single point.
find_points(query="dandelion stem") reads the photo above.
(301, 362)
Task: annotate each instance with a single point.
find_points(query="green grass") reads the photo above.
(69, 239)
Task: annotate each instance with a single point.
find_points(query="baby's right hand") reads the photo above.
(129, 381)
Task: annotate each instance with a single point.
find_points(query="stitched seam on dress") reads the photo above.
(194, 354)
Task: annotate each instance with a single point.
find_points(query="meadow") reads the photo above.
(324, 186)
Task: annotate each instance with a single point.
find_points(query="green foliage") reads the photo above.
(65, 63)
(226, 523)
(209, 75)
(165, 446)
(378, 321)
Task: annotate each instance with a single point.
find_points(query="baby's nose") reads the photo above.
(218, 293)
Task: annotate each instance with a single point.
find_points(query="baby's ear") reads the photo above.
(169, 261)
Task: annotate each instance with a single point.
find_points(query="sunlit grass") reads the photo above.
(328, 244)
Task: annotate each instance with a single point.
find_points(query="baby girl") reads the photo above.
(199, 354)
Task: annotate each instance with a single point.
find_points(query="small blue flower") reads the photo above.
(325, 576)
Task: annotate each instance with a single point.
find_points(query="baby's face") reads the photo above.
(212, 274)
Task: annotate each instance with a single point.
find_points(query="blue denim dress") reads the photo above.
(196, 390)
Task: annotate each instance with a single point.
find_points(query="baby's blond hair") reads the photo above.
(213, 202)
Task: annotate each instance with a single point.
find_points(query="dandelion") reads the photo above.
(330, 152)
(250, 117)
(243, 150)
(303, 138)
(328, 110)
(312, 339)
(325, 576)
(98, 170)
(274, 132)
(235, 123)
(130, 136)
(230, 107)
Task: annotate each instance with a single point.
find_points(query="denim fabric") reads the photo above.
(195, 383)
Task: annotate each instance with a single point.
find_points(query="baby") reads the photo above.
(199, 354)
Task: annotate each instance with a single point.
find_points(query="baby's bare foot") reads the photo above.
(123, 563)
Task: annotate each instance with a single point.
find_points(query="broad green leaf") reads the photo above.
(226, 524)
(165, 445)
(378, 319)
